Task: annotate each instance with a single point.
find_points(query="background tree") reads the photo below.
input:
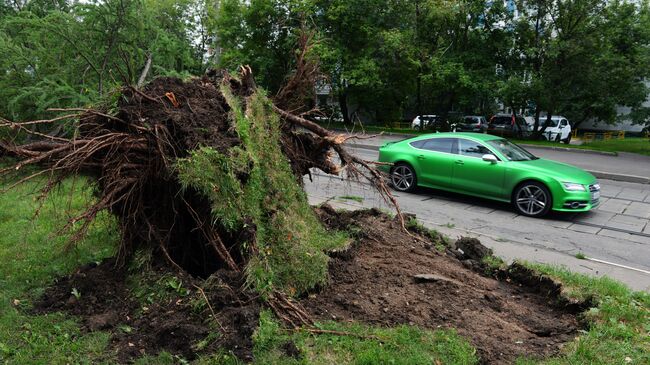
(70, 54)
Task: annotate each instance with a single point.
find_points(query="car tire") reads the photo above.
(568, 139)
(558, 138)
(532, 199)
(403, 177)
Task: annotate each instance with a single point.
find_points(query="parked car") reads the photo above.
(489, 167)
(508, 125)
(558, 130)
(429, 121)
(472, 123)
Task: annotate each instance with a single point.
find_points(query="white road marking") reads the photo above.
(617, 265)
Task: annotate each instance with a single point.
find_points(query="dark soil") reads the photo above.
(374, 283)
(386, 278)
(105, 302)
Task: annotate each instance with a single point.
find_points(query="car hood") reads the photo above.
(561, 171)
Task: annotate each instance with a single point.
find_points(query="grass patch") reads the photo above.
(440, 241)
(368, 345)
(633, 145)
(355, 198)
(581, 256)
(31, 258)
(629, 144)
(493, 264)
(619, 324)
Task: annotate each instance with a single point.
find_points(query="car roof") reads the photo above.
(475, 136)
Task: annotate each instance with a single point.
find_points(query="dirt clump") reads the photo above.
(101, 297)
(388, 277)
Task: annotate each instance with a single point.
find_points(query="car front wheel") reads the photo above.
(403, 177)
(532, 199)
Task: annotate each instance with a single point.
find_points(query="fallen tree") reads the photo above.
(207, 173)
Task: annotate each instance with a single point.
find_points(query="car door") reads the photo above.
(474, 176)
(435, 160)
(565, 129)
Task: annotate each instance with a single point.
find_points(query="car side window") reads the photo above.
(438, 145)
(418, 144)
(472, 149)
(563, 123)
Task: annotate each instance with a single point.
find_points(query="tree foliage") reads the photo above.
(72, 53)
(386, 60)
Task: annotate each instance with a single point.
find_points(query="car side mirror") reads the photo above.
(490, 158)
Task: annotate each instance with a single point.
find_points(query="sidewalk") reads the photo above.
(627, 167)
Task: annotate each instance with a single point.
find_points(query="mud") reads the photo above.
(374, 282)
(386, 278)
(104, 301)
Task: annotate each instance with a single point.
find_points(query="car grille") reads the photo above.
(594, 188)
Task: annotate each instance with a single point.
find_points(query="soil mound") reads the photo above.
(390, 278)
(101, 297)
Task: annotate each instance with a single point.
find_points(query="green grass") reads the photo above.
(31, 258)
(581, 256)
(629, 144)
(619, 324)
(366, 345)
(355, 198)
(633, 145)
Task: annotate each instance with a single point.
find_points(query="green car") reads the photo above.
(489, 167)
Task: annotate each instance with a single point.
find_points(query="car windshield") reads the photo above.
(502, 120)
(511, 151)
(552, 123)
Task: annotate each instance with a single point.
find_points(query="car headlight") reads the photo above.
(573, 187)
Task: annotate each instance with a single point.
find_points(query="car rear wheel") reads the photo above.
(568, 139)
(532, 199)
(403, 177)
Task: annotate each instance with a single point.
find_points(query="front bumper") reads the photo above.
(578, 201)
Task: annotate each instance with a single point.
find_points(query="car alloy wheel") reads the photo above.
(532, 199)
(403, 178)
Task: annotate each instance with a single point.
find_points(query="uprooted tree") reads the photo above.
(207, 173)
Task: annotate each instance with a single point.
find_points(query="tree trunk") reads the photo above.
(546, 124)
(343, 103)
(536, 126)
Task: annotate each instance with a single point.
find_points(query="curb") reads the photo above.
(567, 149)
(620, 177)
(597, 174)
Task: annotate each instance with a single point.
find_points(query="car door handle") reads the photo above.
(460, 162)
(420, 157)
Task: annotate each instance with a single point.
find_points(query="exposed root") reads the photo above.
(290, 312)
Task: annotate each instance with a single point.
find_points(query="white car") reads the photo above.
(559, 130)
(429, 120)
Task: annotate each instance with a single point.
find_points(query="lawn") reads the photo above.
(32, 257)
(629, 144)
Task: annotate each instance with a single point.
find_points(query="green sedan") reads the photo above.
(490, 167)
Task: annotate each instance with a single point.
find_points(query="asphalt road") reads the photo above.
(615, 237)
